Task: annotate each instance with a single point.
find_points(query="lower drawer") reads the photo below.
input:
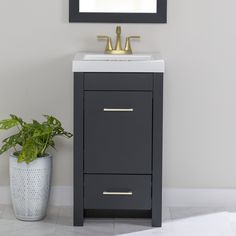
(117, 192)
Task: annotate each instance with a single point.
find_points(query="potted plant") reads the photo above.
(30, 164)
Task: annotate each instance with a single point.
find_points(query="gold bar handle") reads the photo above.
(100, 37)
(118, 193)
(118, 109)
(109, 42)
(134, 37)
(128, 48)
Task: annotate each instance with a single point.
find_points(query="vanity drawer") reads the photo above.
(118, 81)
(117, 192)
(118, 132)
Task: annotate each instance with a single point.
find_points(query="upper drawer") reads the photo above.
(118, 81)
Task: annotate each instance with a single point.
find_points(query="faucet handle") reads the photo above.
(134, 37)
(128, 48)
(109, 42)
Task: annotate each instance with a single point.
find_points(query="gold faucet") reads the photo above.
(118, 50)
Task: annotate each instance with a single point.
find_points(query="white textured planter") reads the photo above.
(30, 187)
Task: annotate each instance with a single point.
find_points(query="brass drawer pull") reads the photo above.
(118, 109)
(118, 193)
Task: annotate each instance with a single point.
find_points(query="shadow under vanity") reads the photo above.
(118, 138)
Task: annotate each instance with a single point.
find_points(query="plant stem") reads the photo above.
(45, 146)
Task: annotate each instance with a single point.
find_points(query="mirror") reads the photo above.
(118, 11)
(118, 6)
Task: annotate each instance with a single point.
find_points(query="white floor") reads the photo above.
(176, 222)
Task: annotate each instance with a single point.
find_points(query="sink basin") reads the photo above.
(107, 57)
(99, 62)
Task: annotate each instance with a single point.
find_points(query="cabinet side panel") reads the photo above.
(157, 150)
(78, 148)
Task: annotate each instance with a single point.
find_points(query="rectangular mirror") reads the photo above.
(118, 6)
(123, 11)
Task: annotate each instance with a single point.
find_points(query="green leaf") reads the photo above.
(11, 142)
(20, 121)
(6, 147)
(29, 152)
(42, 132)
(67, 134)
(53, 121)
(35, 122)
(8, 123)
(14, 139)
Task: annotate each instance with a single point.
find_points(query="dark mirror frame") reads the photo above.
(159, 17)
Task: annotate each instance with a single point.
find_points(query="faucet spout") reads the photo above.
(118, 46)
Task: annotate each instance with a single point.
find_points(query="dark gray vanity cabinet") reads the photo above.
(118, 145)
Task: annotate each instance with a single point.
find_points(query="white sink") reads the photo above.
(136, 63)
(107, 57)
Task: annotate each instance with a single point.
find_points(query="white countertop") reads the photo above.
(130, 63)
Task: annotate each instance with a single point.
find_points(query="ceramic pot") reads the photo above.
(30, 187)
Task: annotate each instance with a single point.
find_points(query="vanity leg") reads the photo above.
(157, 150)
(78, 150)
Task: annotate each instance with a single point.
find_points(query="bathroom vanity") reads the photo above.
(118, 104)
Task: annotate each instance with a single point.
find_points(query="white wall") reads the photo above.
(37, 45)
